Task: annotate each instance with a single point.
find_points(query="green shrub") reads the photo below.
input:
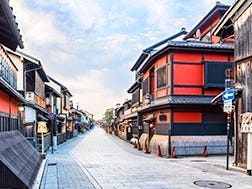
(81, 131)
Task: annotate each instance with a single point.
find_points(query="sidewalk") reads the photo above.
(62, 171)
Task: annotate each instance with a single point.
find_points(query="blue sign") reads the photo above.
(228, 95)
(51, 116)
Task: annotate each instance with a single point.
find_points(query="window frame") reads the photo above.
(207, 77)
(161, 80)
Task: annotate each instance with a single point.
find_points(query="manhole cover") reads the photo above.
(212, 184)
(198, 160)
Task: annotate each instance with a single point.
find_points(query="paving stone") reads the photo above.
(99, 160)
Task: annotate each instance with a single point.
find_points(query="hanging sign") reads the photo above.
(42, 128)
(246, 126)
(227, 106)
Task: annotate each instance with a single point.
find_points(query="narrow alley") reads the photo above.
(99, 160)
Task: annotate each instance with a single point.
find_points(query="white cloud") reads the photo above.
(88, 12)
(91, 45)
(92, 92)
(37, 28)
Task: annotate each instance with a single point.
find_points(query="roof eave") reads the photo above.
(174, 47)
(147, 52)
(211, 12)
(228, 16)
(12, 23)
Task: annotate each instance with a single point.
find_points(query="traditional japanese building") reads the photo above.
(19, 161)
(236, 24)
(178, 82)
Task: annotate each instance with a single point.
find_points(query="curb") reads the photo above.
(39, 177)
(90, 177)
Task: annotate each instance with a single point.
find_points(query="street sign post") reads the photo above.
(51, 116)
(227, 106)
(42, 128)
(228, 95)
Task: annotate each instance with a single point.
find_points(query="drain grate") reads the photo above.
(212, 184)
(198, 160)
(52, 163)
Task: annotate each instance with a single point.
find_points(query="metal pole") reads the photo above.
(249, 151)
(228, 133)
(43, 148)
(52, 131)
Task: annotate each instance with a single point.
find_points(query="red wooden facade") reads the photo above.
(190, 84)
(179, 81)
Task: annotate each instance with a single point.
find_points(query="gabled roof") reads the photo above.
(49, 89)
(147, 52)
(9, 32)
(33, 63)
(63, 88)
(133, 87)
(217, 11)
(225, 26)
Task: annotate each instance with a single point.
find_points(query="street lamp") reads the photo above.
(21, 107)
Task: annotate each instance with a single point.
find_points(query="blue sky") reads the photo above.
(90, 45)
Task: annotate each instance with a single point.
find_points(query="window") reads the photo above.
(145, 86)
(215, 74)
(162, 117)
(161, 77)
(136, 97)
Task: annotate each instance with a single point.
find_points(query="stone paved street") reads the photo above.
(99, 160)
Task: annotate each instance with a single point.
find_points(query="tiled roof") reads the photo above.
(199, 44)
(206, 100)
(9, 32)
(19, 159)
(147, 52)
(179, 100)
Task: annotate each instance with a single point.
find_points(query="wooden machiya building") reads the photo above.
(178, 83)
(237, 24)
(19, 161)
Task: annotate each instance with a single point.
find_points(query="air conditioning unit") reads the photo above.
(48, 101)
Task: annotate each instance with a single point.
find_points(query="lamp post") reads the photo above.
(20, 111)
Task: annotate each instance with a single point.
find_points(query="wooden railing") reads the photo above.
(61, 137)
(33, 97)
(47, 142)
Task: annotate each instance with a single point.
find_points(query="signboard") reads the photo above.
(51, 116)
(30, 115)
(246, 126)
(228, 95)
(42, 128)
(227, 106)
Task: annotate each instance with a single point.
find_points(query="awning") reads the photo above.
(60, 118)
(128, 116)
(41, 118)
